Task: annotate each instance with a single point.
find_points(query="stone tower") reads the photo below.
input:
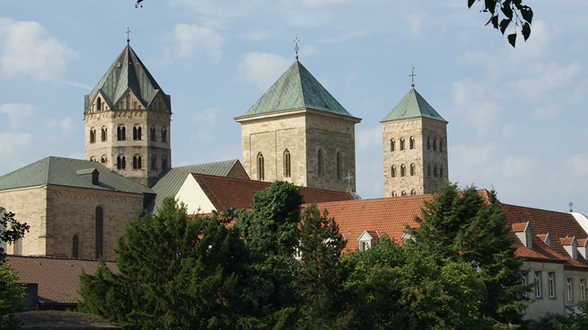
(415, 148)
(127, 118)
(298, 132)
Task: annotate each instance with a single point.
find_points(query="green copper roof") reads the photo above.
(170, 181)
(127, 72)
(412, 105)
(296, 89)
(71, 173)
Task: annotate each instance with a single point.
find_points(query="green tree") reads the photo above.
(11, 294)
(322, 273)
(176, 271)
(505, 13)
(401, 287)
(463, 226)
(271, 234)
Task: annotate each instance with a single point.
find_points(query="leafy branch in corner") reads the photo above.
(505, 13)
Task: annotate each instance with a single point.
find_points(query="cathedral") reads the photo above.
(296, 132)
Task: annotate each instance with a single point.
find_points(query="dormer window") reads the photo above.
(571, 246)
(582, 247)
(524, 233)
(367, 239)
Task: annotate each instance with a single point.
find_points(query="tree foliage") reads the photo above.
(505, 13)
(463, 226)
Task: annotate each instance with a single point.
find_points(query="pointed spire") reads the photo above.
(128, 38)
(296, 48)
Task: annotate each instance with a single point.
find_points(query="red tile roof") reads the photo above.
(226, 191)
(519, 227)
(58, 279)
(566, 240)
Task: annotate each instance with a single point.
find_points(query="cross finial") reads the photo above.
(128, 39)
(349, 177)
(296, 48)
(412, 75)
(571, 206)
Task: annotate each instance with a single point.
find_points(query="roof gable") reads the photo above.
(412, 105)
(127, 73)
(297, 88)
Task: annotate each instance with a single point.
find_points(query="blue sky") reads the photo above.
(517, 117)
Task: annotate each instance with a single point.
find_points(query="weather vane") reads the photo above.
(571, 207)
(296, 48)
(412, 75)
(128, 39)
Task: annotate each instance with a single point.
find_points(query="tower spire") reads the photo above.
(412, 75)
(128, 38)
(296, 48)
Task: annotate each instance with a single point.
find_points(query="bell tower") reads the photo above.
(127, 121)
(415, 148)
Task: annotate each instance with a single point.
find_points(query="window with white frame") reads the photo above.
(551, 284)
(570, 289)
(583, 289)
(524, 284)
(538, 289)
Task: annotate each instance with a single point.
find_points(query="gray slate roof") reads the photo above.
(71, 173)
(127, 72)
(412, 105)
(296, 89)
(170, 181)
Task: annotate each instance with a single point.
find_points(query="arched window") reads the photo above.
(137, 132)
(412, 169)
(98, 103)
(92, 135)
(320, 163)
(403, 193)
(104, 134)
(287, 164)
(428, 143)
(128, 102)
(153, 134)
(393, 171)
(435, 144)
(260, 167)
(393, 194)
(93, 159)
(429, 170)
(392, 145)
(99, 232)
(413, 192)
(163, 135)
(402, 170)
(121, 162)
(441, 145)
(411, 143)
(75, 247)
(153, 162)
(441, 171)
(402, 144)
(121, 133)
(339, 166)
(103, 159)
(136, 162)
(164, 163)
(435, 171)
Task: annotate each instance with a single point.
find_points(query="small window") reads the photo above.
(98, 103)
(402, 170)
(365, 245)
(137, 132)
(570, 289)
(103, 159)
(121, 162)
(93, 159)
(339, 166)
(153, 163)
(413, 192)
(538, 289)
(551, 284)
(134, 105)
(524, 284)
(164, 163)
(411, 143)
(320, 163)
(441, 145)
(412, 169)
(287, 164)
(75, 247)
(435, 174)
(163, 135)
(92, 135)
(260, 167)
(441, 171)
(428, 143)
(392, 145)
(394, 194)
(137, 162)
(583, 289)
(121, 133)
(99, 231)
(128, 102)
(153, 134)
(393, 171)
(104, 134)
(429, 170)
(403, 193)
(402, 144)
(434, 144)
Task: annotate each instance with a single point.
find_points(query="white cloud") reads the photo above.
(18, 113)
(262, 69)
(61, 126)
(27, 48)
(192, 40)
(349, 35)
